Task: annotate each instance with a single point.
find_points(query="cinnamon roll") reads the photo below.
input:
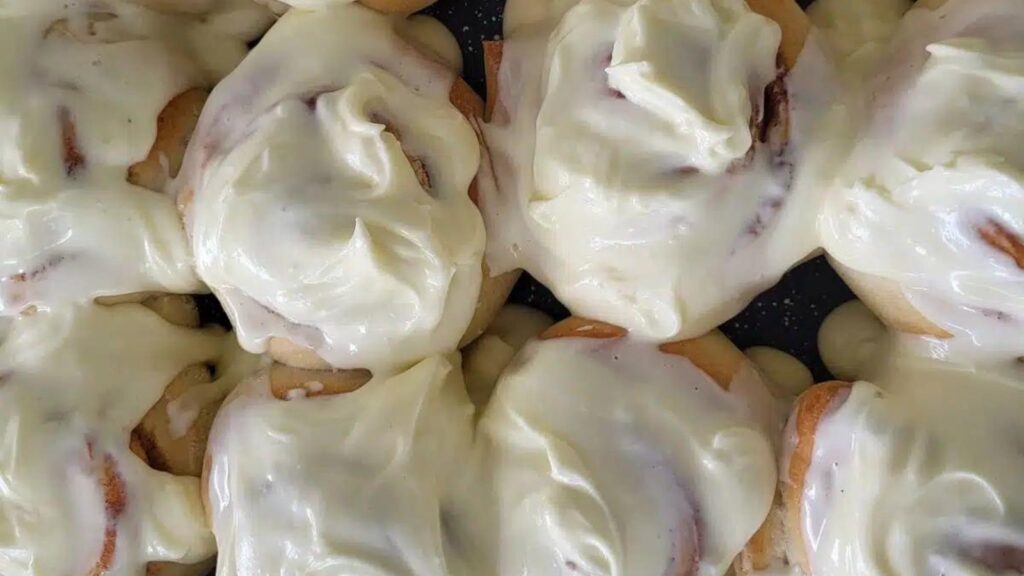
(916, 473)
(339, 471)
(614, 456)
(92, 479)
(645, 155)
(596, 455)
(329, 195)
(926, 218)
(97, 100)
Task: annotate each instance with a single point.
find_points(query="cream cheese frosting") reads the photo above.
(918, 473)
(614, 458)
(593, 456)
(307, 218)
(355, 483)
(74, 499)
(623, 146)
(81, 87)
(933, 194)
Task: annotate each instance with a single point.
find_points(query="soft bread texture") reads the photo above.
(494, 290)
(174, 127)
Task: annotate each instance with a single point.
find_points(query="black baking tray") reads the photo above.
(786, 317)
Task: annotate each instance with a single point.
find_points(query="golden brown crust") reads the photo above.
(284, 379)
(792, 20)
(886, 299)
(577, 327)
(174, 127)
(810, 408)
(712, 353)
(182, 456)
(494, 293)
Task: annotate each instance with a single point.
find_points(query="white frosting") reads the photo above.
(608, 456)
(73, 384)
(850, 340)
(73, 228)
(939, 161)
(623, 146)
(353, 484)
(308, 220)
(613, 458)
(919, 474)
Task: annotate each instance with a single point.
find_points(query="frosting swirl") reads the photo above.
(327, 200)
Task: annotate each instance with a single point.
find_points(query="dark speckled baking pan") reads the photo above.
(786, 317)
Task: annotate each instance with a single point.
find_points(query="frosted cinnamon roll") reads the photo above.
(330, 203)
(916, 473)
(97, 100)
(338, 471)
(645, 155)
(91, 479)
(612, 456)
(926, 220)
